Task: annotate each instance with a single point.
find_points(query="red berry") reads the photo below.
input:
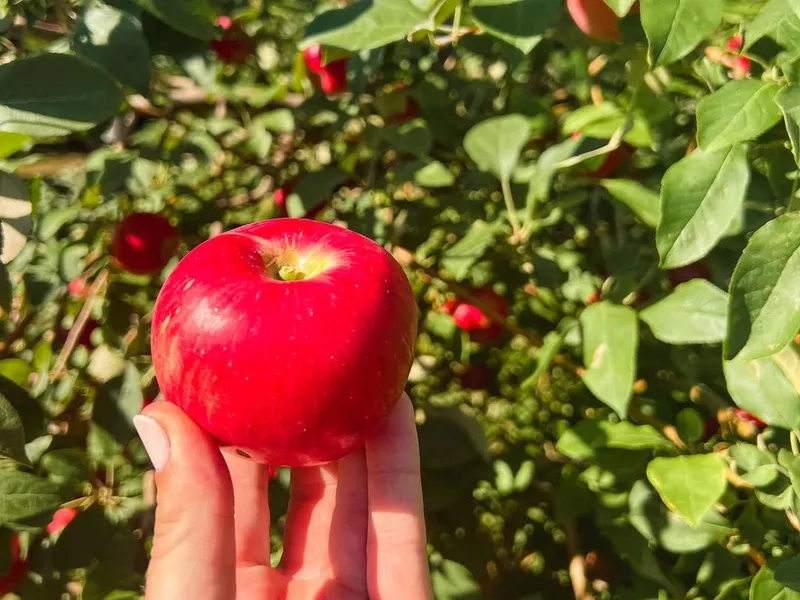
(61, 518)
(78, 288)
(333, 77)
(741, 67)
(470, 318)
(279, 198)
(225, 22)
(235, 47)
(593, 297)
(313, 56)
(144, 243)
(735, 43)
(745, 416)
(16, 573)
(474, 321)
(612, 162)
(687, 273)
(450, 306)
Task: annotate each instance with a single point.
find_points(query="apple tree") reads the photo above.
(596, 203)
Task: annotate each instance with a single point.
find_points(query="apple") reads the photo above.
(279, 198)
(473, 320)
(410, 111)
(235, 47)
(143, 243)
(78, 288)
(61, 518)
(16, 572)
(288, 340)
(331, 78)
(612, 162)
(595, 19)
(687, 273)
(735, 43)
(741, 67)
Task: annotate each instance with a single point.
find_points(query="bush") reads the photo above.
(602, 236)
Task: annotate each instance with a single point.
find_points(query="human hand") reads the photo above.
(354, 530)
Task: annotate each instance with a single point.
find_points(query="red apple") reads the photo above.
(474, 321)
(687, 273)
(612, 162)
(289, 339)
(16, 573)
(279, 198)
(741, 67)
(235, 47)
(144, 242)
(78, 288)
(61, 518)
(331, 78)
(735, 43)
(595, 19)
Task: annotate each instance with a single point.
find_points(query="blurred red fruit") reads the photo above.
(235, 47)
(330, 78)
(450, 306)
(741, 67)
(612, 162)
(710, 427)
(144, 242)
(61, 518)
(225, 22)
(472, 319)
(280, 196)
(411, 111)
(313, 56)
(687, 273)
(86, 335)
(477, 377)
(735, 43)
(595, 19)
(16, 573)
(593, 297)
(78, 288)
(745, 416)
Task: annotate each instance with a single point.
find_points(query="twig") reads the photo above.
(80, 324)
(508, 198)
(577, 566)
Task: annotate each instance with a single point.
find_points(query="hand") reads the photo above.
(354, 530)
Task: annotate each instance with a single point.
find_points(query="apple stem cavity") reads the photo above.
(290, 273)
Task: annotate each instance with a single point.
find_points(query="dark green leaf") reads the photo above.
(459, 258)
(689, 485)
(23, 495)
(194, 18)
(644, 202)
(521, 23)
(675, 27)
(695, 312)
(12, 435)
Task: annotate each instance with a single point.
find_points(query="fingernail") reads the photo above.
(155, 440)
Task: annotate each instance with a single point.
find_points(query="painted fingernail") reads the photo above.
(155, 440)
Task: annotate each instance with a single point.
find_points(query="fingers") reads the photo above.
(251, 506)
(193, 548)
(396, 547)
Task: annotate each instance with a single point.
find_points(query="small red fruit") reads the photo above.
(288, 339)
(612, 162)
(330, 78)
(78, 288)
(595, 19)
(593, 297)
(61, 518)
(235, 47)
(735, 43)
(411, 111)
(16, 573)
(144, 242)
(313, 56)
(477, 377)
(710, 427)
(741, 67)
(225, 22)
(450, 306)
(687, 273)
(474, 321)
(745, 416)
(279, 198)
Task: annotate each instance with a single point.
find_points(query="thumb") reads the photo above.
(193, 553)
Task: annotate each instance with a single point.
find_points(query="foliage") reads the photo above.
(602, 237)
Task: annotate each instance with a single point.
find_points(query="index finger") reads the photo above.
(397, 561)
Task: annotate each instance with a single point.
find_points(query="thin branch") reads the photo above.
(508, 198)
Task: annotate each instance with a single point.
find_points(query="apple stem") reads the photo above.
(289, 273)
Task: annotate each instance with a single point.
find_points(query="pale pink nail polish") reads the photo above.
(155, 440)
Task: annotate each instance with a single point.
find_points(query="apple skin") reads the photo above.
(143, 243)
(595, 19)
(291, 373)
(16, 572)
(330, 78)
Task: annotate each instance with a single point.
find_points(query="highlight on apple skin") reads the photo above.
(288, 340)
(595, 19)
(144, 243)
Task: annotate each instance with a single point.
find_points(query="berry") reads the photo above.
(474, 321)
(144, 243)
(735, 43)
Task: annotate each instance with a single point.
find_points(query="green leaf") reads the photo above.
(701, 195)
(580, 441)
(313, 189)
(696, 312)
(766, 587)
(194, 18)
(788, 99)
(521, 23)
(413, 137)
(259, 140)
(778, 19)
(23, 495)
(620, 7)
(459, 258)
(453, 581)
(114, 40)
(688, 485)
(68, 465)
(55, 94)
(12, 434)
(675, 27)
(610, 344)
(366, 24)
(495, 144)
(11, 143)
(6, 289)
(541, 177)
(787, 573)
(763, 309)
(280, 120)
(760, 387)
(603, 120)
(644, 202)
(434, 175)
(117, 402)
(738, 112)
(15, 216)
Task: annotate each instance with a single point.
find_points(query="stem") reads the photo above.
(456, 23)
(505, 183)
(80, 324)
(794, 201)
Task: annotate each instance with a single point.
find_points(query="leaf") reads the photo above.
(688, 485)
(6, 288)
(55, 94)
(194, 18)
(788, 99)
(117, 402)
(787, 573)
(675, 27)
(280, 120)
(610, 344)
(644, 202)
(778, 19)
(760, 387)
(434, 175)
(580, 441)
(453, 581)
(114, 40)
(521, 23)
(766, 587)
(313, 189)
(23, 495)
(603, 120)
(12, 434)
(259, 140)
(11, 143)
(365, 25)
(413, 137)
(15, 216)
(701, 196)
(68, 465)
(459, 258)
(738, 112)
(495, 144)
(764, 314)
(696, 312)
(541, 178)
